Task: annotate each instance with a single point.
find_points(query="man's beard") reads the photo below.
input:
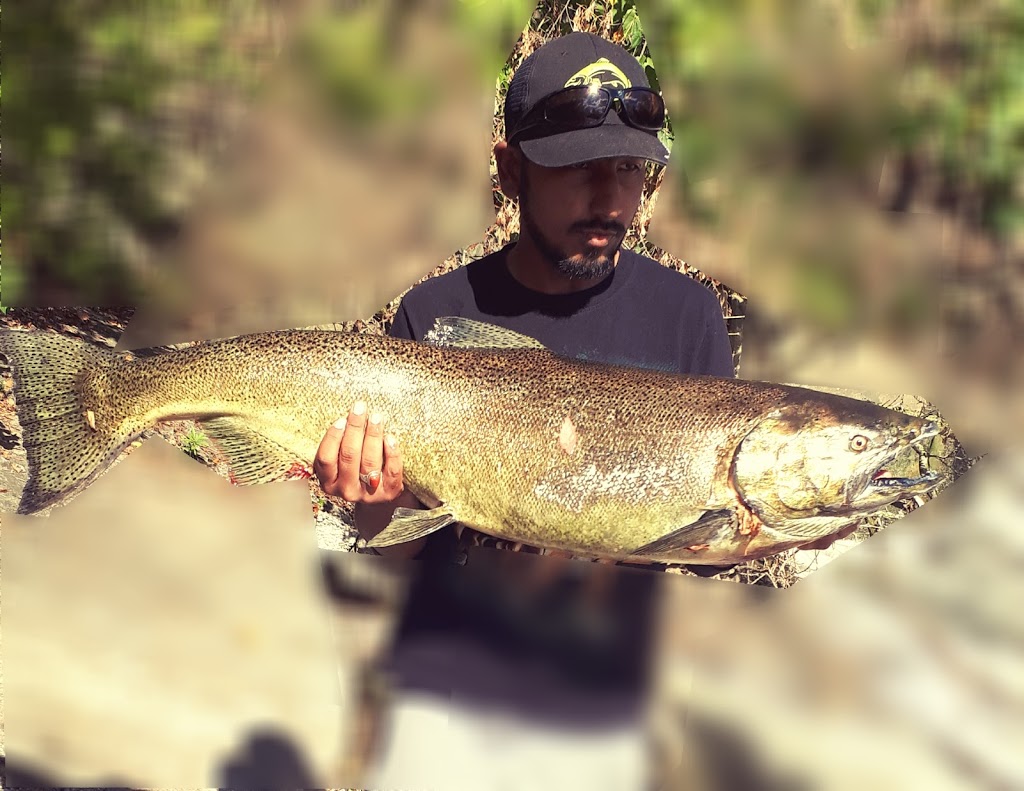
(589, 264)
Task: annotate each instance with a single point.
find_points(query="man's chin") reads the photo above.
(585, 267)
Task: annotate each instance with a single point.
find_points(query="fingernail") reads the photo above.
(359, 408)
(392, 442)
(340, 423)
(376, 418)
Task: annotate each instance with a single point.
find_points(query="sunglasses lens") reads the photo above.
(645, 109)
(577, 107)
(581, 107)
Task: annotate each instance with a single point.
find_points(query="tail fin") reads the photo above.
(67, 449)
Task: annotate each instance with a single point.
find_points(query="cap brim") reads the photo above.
(599, 142)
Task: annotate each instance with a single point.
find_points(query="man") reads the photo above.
(581, 123)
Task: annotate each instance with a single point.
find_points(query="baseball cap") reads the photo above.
(575, 59)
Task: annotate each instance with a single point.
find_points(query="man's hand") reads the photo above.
(358, 462)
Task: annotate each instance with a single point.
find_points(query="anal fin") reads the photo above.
(703, 531)
(408, 524)
(253, 457)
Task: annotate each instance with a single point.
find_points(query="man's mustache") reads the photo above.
(599, 226)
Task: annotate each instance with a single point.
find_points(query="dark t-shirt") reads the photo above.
(644, 315)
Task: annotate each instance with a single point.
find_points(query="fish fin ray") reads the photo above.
(65, 454)
(702, 531)
(253, 457)
(462, 333)
(409, 524)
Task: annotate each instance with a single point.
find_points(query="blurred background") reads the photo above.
(847, 176)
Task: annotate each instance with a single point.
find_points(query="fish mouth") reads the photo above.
(902, 483)
(881, 482)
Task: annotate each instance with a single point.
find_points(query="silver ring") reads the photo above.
(365, 478)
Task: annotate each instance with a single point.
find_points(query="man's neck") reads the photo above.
(531, 269)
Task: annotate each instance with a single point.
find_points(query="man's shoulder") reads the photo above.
(454, 293)
(659, 281)
(450, 285)
(432, 286)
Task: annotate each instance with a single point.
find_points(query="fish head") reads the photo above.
(811, 468)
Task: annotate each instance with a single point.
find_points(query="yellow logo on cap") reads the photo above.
(603, 72)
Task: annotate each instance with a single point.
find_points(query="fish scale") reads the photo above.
(510, 439)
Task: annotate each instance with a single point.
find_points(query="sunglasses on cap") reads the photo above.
(586, 106)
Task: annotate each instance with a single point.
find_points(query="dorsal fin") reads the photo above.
(461, 333)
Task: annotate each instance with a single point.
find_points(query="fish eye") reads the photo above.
(858, 442)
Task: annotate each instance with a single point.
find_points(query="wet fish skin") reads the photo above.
(515, 442)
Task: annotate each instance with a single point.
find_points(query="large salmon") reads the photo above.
(497, 433)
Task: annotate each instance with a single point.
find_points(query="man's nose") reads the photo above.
(605, 191)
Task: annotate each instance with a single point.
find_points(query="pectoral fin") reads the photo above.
(703, 531)
(408, 524)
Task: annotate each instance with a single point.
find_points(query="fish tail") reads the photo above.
(68, 441)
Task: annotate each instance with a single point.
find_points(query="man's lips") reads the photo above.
(600, 236)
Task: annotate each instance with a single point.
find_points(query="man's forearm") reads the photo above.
(371, 519)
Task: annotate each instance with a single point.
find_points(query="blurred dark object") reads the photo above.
(27, 778)
(546, 659)
(266, 761)
(587, 624)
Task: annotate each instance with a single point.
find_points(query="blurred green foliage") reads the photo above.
(98, 97)
(193, 442)
(490, 28)
(351, 58)
(804, 87)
